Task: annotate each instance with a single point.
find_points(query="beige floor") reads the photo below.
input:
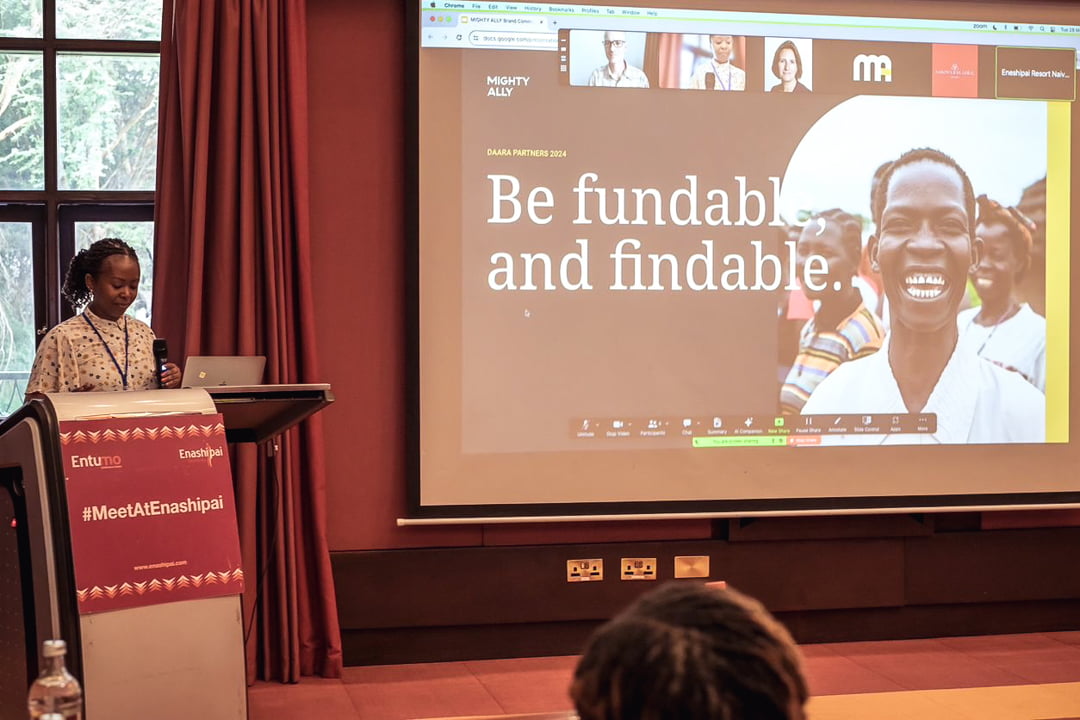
(1058, 701)
(1004, 677)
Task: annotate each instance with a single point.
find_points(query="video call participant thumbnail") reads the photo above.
(719, 73)
(787, 66)
(1006, 331)
(617, 72)
(925, 247)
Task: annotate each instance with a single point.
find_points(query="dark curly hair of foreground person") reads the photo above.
(689, 651)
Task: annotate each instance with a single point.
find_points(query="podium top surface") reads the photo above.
(302, 389)
(255, 413)
(251, 413)
(95, 405)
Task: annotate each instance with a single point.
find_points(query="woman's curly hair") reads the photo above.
(89, 261)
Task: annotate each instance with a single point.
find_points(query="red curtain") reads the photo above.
(669, 51)
(233, 277)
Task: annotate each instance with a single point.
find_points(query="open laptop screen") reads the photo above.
(218, 370)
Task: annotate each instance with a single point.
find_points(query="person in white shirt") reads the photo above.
(924, 248)
(1006, 332)
(720, 73)
(617, 72)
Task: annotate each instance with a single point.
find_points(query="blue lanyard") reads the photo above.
(124, 372)
(716, 66)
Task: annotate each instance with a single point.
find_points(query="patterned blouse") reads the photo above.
(73, 355)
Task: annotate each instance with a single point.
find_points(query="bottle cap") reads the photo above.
(53, 648)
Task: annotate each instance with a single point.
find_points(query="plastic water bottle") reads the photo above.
(56, 692)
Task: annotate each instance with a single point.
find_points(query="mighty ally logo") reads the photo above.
(504, 85)
(872, 68)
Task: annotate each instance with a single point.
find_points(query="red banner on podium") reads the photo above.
(151, 509)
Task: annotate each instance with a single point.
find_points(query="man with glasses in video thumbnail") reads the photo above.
(924, 247)
(617, 72)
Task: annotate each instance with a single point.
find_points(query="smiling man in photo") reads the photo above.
(925, 246)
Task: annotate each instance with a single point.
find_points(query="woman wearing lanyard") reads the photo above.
(101, 348)
(720, 73)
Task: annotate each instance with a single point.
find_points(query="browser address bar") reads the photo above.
(512, 39)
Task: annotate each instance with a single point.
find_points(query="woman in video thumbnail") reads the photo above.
(719, 73)
(925, 247)
(842, 328)
(788, 68)
(101, 348)
(1005, 331)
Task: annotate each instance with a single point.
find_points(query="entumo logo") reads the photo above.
(871, 68)
(105, 462)
(206, 453)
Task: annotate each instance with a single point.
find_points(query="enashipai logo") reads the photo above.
(206, 453)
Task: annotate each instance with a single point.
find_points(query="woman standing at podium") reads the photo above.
(101, 348)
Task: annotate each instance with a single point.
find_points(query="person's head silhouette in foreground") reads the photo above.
(689, 651)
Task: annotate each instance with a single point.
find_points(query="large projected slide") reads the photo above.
(650, 281)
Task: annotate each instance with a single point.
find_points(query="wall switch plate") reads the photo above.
(691, 566)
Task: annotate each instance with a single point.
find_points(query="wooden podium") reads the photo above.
(176, 660)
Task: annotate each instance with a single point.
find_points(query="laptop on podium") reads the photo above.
(223, 370)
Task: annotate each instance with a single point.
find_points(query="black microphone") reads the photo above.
(710, 81)
(161, 356)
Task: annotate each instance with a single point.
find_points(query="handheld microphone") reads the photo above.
(161, 356)
(710, 81)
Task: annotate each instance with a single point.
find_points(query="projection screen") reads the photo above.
(647, 281)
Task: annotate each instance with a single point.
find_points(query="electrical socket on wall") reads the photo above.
(638, 568)
(584, 570)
